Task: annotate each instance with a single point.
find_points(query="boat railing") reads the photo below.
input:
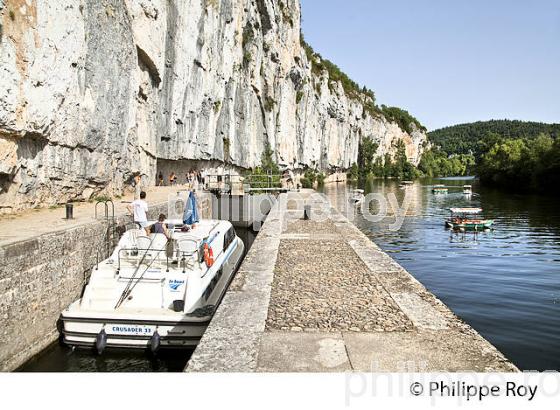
(139, 255)
(132, 226)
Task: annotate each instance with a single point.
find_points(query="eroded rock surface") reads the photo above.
(93, 92)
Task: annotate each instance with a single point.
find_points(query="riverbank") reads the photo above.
(318, 295)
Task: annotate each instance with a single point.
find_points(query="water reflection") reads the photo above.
(505, 282)
(60, 358)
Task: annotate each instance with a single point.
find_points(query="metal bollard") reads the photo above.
(307, 212)
(69, 210)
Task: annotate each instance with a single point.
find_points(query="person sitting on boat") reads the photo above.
(160, 227)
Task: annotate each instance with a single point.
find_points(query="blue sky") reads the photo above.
(446, 61)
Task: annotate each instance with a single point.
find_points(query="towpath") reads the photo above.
(34, 222)
(317, 295)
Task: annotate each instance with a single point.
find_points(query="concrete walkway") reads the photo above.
(35, 222)
(319, 296)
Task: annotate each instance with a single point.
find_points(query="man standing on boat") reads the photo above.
(139, 209)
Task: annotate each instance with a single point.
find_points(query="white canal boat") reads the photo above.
(153, 292)
(357, 196)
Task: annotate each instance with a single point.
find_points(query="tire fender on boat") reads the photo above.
(101, 341)
(155, 342)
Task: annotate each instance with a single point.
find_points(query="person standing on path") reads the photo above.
(203, 179)
(139, 209)
(137, 186)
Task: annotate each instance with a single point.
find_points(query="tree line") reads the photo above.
(524, 157)
(517, 155)
(522, 164)
(473, 138)
(371, 165)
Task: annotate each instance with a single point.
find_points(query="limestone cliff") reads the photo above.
(93, 92)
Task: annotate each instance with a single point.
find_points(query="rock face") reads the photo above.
(94, 92)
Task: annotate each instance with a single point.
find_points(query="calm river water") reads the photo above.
(505, 283)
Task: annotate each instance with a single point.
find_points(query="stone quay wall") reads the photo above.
(41, 276)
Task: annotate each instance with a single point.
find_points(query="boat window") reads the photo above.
(201, 252)
(229, 237)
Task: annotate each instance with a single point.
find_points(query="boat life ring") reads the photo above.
(208, 255)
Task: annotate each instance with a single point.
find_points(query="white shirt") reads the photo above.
(140, 207)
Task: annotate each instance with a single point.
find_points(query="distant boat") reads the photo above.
(463, 219)
(357, 196)
(439, 189)
(467, 189)
(406, 184)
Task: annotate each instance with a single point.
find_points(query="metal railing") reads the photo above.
(228, 184)
(264, 181)
(107, 216)
(223, 183)
(178, 255)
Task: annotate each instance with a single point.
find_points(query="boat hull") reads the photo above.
(133, 333)
(470, 226)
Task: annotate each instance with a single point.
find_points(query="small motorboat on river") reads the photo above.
(357, 196)
(439, 190)
(464, 219)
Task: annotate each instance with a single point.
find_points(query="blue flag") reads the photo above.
(190, 216)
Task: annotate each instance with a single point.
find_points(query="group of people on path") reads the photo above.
(193, 179)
